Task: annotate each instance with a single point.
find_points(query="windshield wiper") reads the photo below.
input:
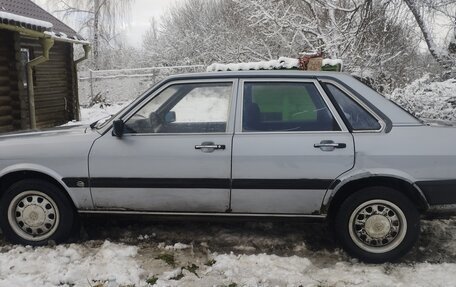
(92, 125)
(103, 121)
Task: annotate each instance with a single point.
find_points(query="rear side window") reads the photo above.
(285, 107)
(356, 115)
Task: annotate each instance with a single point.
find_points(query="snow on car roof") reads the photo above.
(281, 63)
(257, 73)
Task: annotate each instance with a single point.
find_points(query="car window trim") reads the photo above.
(322, 94)
(359, 102)
(145, 100)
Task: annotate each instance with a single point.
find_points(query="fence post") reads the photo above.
(91, 83)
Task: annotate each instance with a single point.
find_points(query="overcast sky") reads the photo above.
(141, 13)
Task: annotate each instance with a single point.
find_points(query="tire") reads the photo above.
(377, 224)
(34, 212)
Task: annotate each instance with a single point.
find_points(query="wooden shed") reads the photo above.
(38, 75)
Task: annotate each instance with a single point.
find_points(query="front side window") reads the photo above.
(285, 107)
(358, 117)
(184, 108)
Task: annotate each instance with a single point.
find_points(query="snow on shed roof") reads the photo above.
(35, 17)
(65, 38)
(35, 24)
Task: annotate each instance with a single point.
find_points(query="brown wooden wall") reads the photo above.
(56, 99)
(54, 80)
(10, 108)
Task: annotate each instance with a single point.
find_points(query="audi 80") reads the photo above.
(318, 145)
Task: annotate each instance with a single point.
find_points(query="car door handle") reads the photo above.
(328, 145)
(334, 145)
(214, 146)
(210, 146)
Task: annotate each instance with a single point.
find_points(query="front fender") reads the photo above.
(81, 198)
(32, 167)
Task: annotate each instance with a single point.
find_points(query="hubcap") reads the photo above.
(33, 215)
(377, 226)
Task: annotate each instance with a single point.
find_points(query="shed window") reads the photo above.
(25, 58)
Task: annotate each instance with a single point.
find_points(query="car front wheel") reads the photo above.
(34, 211)
(377, 224)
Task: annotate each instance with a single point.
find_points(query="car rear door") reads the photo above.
(289, 146)
(175, 154)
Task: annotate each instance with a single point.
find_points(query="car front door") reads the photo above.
(289, 146)
(174, 155)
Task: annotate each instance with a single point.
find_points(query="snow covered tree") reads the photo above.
(312, 25)
(199, 32)
(445, 57)
(376, 39)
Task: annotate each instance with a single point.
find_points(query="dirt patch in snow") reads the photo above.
(278, 238)
(437, 243)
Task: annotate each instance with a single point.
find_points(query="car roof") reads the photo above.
(258, 73)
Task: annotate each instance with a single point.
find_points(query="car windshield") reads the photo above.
(102, 122)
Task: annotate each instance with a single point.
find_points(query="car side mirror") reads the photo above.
(118, 128)
(170, 117)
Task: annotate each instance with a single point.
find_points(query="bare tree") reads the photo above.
(100, 19)
(439, 55)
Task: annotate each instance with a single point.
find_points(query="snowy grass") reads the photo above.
(167, 258)
(428, 100)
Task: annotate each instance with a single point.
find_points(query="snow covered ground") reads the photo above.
(121, 252)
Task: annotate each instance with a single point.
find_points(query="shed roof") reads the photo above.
(31, 11)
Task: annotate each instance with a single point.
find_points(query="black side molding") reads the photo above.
(439, 192)
(219, 183)
(76, 181)
(116, 182)
(282, 183)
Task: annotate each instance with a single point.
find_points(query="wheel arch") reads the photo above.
(349, 186)
(13, 174)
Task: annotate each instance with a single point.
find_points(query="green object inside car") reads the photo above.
(284, 103)
(332, 68)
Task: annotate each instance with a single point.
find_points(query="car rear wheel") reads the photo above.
(377, 224)
(33, 211)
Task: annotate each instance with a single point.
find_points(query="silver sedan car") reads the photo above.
(317, 145)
